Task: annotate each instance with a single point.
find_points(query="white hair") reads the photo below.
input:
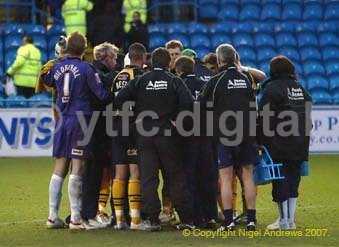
(225, 53)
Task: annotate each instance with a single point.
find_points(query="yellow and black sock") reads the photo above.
(104, 189)
(134, 199)
(119, 195)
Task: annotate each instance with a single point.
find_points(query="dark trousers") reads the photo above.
(100, 158)
(154, 151)
(201, 174)
(287, 187)
(27, 92)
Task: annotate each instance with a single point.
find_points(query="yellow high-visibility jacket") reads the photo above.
(74, 14)
(26, 67)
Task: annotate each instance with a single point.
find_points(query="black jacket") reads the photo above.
(201, 71)
(231, 91)
(138, 33)
(284, 93)
(194, 84)
(158, 91)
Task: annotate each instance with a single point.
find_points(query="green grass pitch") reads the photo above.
(24, 207)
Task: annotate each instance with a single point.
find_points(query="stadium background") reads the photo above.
(305, 31)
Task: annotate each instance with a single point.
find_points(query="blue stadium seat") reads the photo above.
(218, 39)
(2, 90)
(229, 12)
(56, 30)
(332, 68)
(40, 42)
(310, 53)
(291, 53)
(326, 39)
(272, 1)
(291, 12)
(246, 53)
(328, 26)
(242, 39)
(265, 27)
(223, 2)
(13, 29)
(284, 2)
(182, 37)
(286, 26)
(200, 40)
(334, 83)
(208, 11)
(313, 11)
(317, 82)
(10, 56)
(265, 54)
(195, 28)
(40, 100)
(43, 56)
(223, 27)
(16, 101)
(332, 11)
(312, 68)
(321, 96)
(330, 52)
(53, 40)
(265, 66)
(177, 28)
(34, 29)
(285, 39)
(206, 1)
(201, 52)
(307, 39)
(153, 29)
(250, 12)
(245, 27)
(335, 98)
(2, 102)
(263, 39)
(156, 41)
(298, 68)
(13, 41)
(271, 11)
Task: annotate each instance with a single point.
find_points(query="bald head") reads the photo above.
(226, 54)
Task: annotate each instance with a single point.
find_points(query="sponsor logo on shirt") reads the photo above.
(77, 152)
(236, 83)
(157, 85)
(295, 93)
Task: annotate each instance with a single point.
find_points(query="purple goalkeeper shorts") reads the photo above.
(67, 137)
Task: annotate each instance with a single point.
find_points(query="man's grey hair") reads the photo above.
(226, 54)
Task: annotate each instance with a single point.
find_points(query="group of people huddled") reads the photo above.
(118, 132)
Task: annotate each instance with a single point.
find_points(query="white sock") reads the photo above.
(55, 188)
(74, 194)
(283, 212)
(292, 205)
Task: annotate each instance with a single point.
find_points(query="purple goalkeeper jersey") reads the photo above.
(77, 84)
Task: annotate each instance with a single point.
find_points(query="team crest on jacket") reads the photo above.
(157, 85)
(236, 83)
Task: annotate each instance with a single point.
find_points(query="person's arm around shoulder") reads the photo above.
(96, 86)
(128, 93)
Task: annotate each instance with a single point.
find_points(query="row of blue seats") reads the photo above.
(242, 2)
(245, 27)
(260, 39)
(15, 40)
(270, 11)
(320, 96)
(38, 100)
(30, 29)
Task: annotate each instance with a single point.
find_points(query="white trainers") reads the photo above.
(96, 224)
(121, 226)
(103, 219)
(292, 225)
(55, 224)
(274, 226)
(139, 226)
(81, 225)
(166, 218)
